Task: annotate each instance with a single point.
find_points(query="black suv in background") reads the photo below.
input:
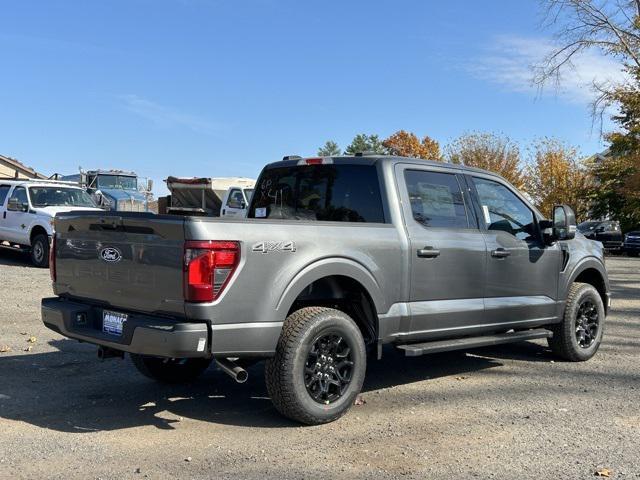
(632, 243)
(606, 232)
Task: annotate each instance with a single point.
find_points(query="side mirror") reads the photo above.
(13, 205)
(243, 205)
(564, 222)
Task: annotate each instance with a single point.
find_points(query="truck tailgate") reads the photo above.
(129, 261)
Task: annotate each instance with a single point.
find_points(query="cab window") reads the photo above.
(436, 199)
(235, 199)
(503, 210)
(20, 193)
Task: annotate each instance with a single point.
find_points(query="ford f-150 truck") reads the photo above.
(336, 257)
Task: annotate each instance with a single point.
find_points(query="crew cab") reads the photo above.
(27, 210)
(338, 256)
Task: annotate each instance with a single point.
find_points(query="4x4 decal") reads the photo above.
(268, 247)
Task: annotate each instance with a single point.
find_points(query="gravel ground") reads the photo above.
(502, 412)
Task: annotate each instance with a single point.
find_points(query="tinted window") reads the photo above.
(21, 194)
(4, 190)
(503, 210)
(436, 199)
(588, 226)
(341, 193)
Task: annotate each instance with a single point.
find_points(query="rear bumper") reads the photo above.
(142, 334)
(631, 247)
(159, 336)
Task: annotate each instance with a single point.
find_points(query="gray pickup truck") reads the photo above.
(337, 257)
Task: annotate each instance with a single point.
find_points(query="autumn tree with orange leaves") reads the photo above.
(407, 144)
(555, 175)
(489, 151)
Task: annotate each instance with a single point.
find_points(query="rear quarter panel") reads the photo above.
(265, 285)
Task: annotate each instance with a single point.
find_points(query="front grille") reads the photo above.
(131, 206)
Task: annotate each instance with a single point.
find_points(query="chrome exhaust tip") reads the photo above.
(232, 369)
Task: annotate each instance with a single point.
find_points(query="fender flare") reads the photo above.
(586, 263)
(327, 267)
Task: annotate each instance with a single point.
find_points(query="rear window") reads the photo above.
(339, 193)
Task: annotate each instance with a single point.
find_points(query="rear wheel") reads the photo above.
(319, 366)
(578, 337)
(40, 251)
(170, 370)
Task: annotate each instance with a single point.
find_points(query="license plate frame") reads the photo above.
(112, 322)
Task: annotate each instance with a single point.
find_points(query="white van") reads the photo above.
(27, 210)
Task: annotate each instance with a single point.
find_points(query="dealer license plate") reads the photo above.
(112, 322)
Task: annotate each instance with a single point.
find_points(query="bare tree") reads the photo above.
(611, 27)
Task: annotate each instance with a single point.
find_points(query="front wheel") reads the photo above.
(578, 337)
(319, 366)
(170, 370)
(40, 251)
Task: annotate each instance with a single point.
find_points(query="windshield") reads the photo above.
(587, 226)
(60, 197)
(247, 193)
(117, 181)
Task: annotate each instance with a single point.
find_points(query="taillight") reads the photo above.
(52, 258)
(208, 266)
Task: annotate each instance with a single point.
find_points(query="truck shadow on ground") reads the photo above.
(14, 258)
(71, 391)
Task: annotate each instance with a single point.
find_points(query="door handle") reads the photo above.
(428, 252)
(500, 253)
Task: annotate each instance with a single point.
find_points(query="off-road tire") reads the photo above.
(284, 373)
(170, 370)
(564, 342)
(40, 251)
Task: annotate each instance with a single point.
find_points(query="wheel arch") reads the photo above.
(37, 230)
(340, 283)
(593, 272)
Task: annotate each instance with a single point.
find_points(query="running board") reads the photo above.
(417, 349)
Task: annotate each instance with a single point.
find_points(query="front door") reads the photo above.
(17, 222)
(522, 272)
(447, 256)
(4, 194)
(235, 206)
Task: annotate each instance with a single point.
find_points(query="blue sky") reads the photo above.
(219, 88)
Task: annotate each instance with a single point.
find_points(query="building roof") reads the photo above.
(20, 166)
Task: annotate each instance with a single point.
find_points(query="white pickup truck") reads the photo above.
(27, 211)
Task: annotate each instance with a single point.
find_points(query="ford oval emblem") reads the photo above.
(110, 254)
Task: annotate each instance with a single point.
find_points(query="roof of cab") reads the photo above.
(373, 159)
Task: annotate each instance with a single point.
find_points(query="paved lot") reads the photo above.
(508, 412)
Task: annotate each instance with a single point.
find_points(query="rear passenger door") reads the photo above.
(522, 272)
(447, 255)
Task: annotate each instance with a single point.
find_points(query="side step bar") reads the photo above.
(417, 349)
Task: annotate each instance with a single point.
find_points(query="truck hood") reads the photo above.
(53, 211)
(118, 194)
